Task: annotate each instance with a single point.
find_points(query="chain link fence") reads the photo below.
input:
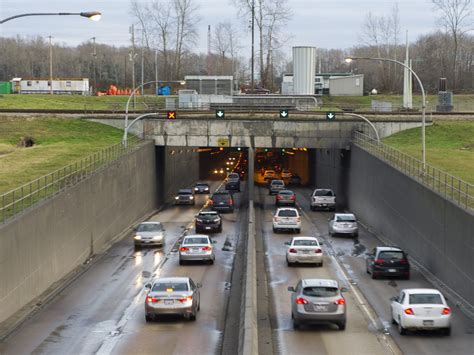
(452, 188)
(15, 201)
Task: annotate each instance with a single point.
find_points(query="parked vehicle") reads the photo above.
(420, 309)
(343, 224)
(196, 247)
(233, 182)
(286, 218)
(172, 295)
(285, 197)
(201, 188)
(222, 201)
(149, 233)
(323, 199)
(208, 221)
(318, 301)
(388, 261)
(304, 250)
(185, 197)
(275, 186)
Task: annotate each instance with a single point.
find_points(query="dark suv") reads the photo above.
(222, 201)
(208, 221)
(388, 261)
(232, 182)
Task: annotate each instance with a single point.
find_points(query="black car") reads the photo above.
(201, 188)
(208, 221)
(232, 182)
(222, 201)
(388, 261)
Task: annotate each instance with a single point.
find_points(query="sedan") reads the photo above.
(318, 301)
(149, 233)
(196, 247)
(201, 188)
(343, 223)
(285, 197)
(208, 221)
(172, 295)
(420, 309)
(304, 250)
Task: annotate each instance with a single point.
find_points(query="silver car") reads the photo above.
(275, 186)
(149, 233)
(304, 250)
(172, 295)
(343, 223)
(196, 247)
(285, 197)
(318, 301)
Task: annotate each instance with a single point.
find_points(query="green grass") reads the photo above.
(59, 142)
(449, 146)
(77, 102)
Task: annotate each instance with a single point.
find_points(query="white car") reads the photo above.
(421, 309)
(323, 199)
(304, 250)
(287, 218)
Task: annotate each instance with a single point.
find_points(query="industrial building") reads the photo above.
(76, 86)
(210, 84)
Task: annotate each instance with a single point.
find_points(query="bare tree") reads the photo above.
(160, 14)
(226, 41)
(456, 18)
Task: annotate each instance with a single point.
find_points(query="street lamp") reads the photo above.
(423, 105)
(92, 15)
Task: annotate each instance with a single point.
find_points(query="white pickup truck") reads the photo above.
(323, 199)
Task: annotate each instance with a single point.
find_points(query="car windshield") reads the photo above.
(155, 227)
(202, 185)
(426, 298)
(233, 176)
(220, 197)
(323, 193)
(320, 291)
(345, 219)
(170, 286)
(208, 215)
(185, 192)
(390, 255)
(287, 213)
(277, 182)
(285, 192)
(305, 242)
(269, 172)
(196, 240)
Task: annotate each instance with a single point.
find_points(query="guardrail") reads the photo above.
(15, 201)
(449, 186)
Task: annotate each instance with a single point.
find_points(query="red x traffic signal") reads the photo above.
(171, 115)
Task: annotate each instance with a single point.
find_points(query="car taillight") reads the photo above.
(293, 197)
(298, 219)
(206, 249)
(211, 202)
(403, 261)
(184, 300)
(317, 250)
(409, 311)
(183, 249)
(301, 300)
(278, 197)
(340, 302)
(231, 202)
(379, 261)
(446, 311)
(292, 250)
(150, 299)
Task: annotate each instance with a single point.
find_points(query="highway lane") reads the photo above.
(103, 310)
(352, 254)
(358, 338)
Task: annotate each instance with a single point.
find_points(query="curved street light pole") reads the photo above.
(366, 120)
(93, 15)
(423, 106)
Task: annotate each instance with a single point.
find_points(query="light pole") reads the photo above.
(423, 105)
(253, 47)
(94, 63)
(92, 15)
(50, 65)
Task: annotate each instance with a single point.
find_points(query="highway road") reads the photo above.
(102, 312)
(369, 330)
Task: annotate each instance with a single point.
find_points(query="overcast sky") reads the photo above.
(319, 23)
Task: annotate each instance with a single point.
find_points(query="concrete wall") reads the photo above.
(435, 232)
(44, 244)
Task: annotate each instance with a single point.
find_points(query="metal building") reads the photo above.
(43, 86)
(304, 69)
(347, 86)
(210, 84)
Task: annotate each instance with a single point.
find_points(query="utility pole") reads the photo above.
(253, 46)
(50, 65)
(94, 54)
(209, 50)
(156, 72)
(132, 59)
(143, 58)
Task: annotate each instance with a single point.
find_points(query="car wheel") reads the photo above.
(148, 318)
(367, 269)
(342, 325)
(137, 247)
(311, 208)
(406, 277)
(220, 229)
(274, 230)
(296, 325)
(181, 262)
(288, 263)
(298, 231)
(320, 264)
(447, 331)
(199, 305)
(401, 329)
(193, 317)
(373, 276)
(393, 319)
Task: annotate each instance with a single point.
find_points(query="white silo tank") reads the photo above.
(304, 70)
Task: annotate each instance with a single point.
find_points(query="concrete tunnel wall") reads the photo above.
(436, 233)
(46, 243)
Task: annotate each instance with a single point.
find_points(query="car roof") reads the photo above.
(319, 282)
(150, 222)
(412, 291)
(286, 192)
(286, 208)
(185, 191)
(195, 235)
(322, 190)
(208, 212)
(344, 215)
(171, 279)
(389, 249)
(233, 174)
(269, 171)
(221, 193)
(202, 183)
(278, 181)
(304, 238)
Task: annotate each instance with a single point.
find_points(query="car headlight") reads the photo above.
(191, 197)
(206, 188)
(158, 237)
(196, 189)
(217, 220)
(137, 237)
(199, 220)
(176, 198)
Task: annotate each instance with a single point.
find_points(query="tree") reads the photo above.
(226, 40)
(456, 18)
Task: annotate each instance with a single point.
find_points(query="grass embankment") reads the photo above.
(449, 146)
(74, 102)
(58, 142)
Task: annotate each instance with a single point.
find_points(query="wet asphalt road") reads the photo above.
(103, 310)
(366, 325)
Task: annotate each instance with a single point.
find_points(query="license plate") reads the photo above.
(208, 227)
(428, 323)
(195, 250)
(221, 203)
(305, 251)
(168, 302)
(320, 307)
(324, 204)
(392, 270)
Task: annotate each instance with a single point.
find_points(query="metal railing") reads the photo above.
(15, 201)
(448, 186)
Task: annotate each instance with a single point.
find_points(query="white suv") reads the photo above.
(323, 199)
(287, 218)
